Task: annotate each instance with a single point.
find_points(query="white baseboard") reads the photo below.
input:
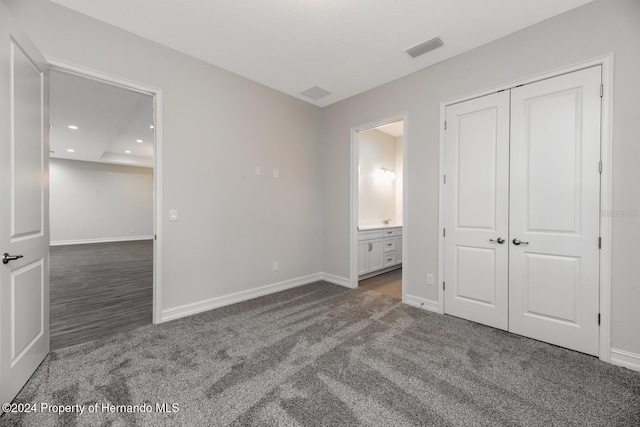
(209, 304)
(336, 280)
(423, 303)
(626, 359)
(100, 240)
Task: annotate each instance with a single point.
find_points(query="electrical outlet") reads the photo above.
(275, 266)
(429, 279)
(276, 173)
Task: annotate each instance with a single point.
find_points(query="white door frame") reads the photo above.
(156, 93)
(606, 138)
(353, 224)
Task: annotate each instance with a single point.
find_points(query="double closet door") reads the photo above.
(522, 215)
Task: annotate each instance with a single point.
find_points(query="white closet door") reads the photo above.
(476, 210)
(554, 210)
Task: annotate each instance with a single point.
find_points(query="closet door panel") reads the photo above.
(554, 210)
(476, 209)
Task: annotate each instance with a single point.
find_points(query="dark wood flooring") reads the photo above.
(388, 283)
(98, 290)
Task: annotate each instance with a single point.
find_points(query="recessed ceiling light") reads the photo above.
(138, 141)
(70, 150)
(127, 151)
(74, 127)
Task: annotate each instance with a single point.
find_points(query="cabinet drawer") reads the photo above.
(389, 244)
(368, 235)
(389, 259)
(388, 233)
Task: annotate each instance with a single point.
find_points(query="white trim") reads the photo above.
(99, 240)
(68, 67)
(606, 188)
(423, 303)
(209, 304)
(336, 280)
(606, 62)
(625, 358)
(353, 178)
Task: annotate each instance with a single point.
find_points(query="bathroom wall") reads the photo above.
(377, 192)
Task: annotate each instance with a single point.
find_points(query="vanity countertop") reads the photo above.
(377, 227)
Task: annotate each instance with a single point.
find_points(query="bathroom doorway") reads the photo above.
(378, 154)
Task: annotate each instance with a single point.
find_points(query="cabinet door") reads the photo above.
(363, 257)
(376, 260)
(398, 250)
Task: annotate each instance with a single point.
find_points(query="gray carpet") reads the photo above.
(325, 355)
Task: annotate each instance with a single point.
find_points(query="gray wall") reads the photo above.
(217, 127)
(596, 29)
(98, 201)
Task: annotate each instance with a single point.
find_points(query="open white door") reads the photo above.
(24, 208)
(476, 206)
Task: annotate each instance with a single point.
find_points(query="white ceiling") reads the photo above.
(110, 120)
(343, 46)
(394, 128)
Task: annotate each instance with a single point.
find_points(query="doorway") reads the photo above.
(103, 185)
(521, 231)
(378, 206)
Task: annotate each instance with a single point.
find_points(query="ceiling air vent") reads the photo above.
(425, 47)
(316, 93)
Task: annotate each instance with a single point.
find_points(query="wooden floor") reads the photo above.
(98, 290)
(388, 283)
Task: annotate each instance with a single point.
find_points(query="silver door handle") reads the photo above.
(499, 240)
(6, 258)
(519, 242)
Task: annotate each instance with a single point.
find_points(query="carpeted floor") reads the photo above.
(325, 355)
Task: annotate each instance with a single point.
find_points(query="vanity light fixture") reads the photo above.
(73, 127)
(139, 141)
(127, 151)
(389, 174)
(70, 150)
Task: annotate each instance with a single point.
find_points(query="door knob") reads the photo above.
(499, 240)
(519, 242)
(6, 258)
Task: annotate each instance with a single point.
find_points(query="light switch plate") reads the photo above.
(173, 215)
(429, 279)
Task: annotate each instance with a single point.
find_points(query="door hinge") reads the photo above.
(444, 232)
(445, 125)
(444, 180)
(601, 90)
(443, 286)
(599, 242)
(598, 318)
(600, 166)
